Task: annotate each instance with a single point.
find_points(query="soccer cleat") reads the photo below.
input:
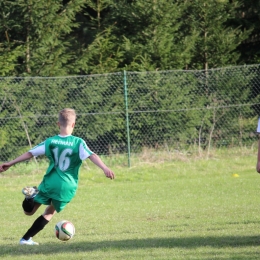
(29, 242)
(30, 192)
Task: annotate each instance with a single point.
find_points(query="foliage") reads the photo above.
(75, 37)
(41, 30)
(248, 18)
(170, 109)
(216, 38)
(57, 38)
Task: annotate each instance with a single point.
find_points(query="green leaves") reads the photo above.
(218, 38)
(54, 38)
(42, 31)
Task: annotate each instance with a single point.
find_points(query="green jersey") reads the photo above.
(65, 154)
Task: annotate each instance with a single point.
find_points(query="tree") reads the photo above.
(217, 42)
(150, 34)
(248, 17)
(35, 36)
(11, 44)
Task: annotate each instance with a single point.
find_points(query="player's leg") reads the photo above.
(49, 212)
(43, 220)
(37, 226)
(29, 206)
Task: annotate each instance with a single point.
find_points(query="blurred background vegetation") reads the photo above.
(79, 37)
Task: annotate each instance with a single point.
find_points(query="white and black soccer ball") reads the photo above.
(64, 230)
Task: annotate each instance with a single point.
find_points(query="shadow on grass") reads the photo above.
(132, 244)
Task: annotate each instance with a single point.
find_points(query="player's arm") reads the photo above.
(96, 160)
(85, 152)
(24, 157)
(258, 150)
(258, 157)
(35, 151)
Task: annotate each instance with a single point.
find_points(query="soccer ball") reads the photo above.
(64, 230)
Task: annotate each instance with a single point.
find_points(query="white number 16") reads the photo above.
(63, 162)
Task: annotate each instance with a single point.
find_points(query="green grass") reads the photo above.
(176, 209)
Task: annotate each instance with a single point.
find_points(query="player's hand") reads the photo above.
(4, 167)
(109, 174)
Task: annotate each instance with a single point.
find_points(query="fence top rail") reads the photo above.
(65, 77)
(136, 72)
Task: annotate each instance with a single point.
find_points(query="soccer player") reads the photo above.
(60, 182)
(258, 154)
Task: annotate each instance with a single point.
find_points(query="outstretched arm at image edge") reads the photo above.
(258, 158)
(96, 160)
(21, 158)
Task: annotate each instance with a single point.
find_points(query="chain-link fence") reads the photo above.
(124, 112)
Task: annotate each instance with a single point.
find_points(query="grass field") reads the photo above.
(164, 209)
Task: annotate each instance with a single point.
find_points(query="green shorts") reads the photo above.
(42, 199)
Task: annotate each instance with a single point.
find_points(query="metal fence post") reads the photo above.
(127, 121)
